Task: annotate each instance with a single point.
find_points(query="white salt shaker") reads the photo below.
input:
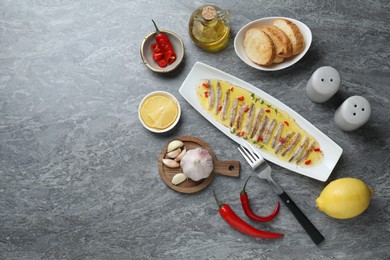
(323, 84)
(353, 113)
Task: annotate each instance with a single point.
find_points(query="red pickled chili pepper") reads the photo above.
(162, 63)
(248, 211)
(238, 224)
(165, 44)
(157, 56)
(241, 133)
(169, 57)
(308, 162)
(267, 110)
(241, 98)
(156, 48)
(317, 150)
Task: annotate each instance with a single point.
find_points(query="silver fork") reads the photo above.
(264, 172)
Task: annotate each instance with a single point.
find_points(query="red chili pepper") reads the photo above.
(308, 162)
(204, 84)
(169, 57)
(162, 63)
(248, 211)
(157, 56)
(246, 109)
(282, 140)
(286, 123)
(267, 110)
(241, 98)
(206, 94)
(165, 44)
(241, 133)
(219, 108)
(156, 48)
(260, 139)
(238, 224)
(317, 150)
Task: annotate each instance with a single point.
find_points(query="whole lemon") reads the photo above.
(344, 198)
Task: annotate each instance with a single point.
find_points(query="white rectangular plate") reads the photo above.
(330, 149)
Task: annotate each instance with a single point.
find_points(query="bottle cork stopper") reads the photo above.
(209, 13)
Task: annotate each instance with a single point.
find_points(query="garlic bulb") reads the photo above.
(197, 164)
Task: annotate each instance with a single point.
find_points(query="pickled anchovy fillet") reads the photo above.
(300, 149)
(249, 119)
(306, 153)
(261, 128)
(292, 144)
(278, 132)
(218, 94)
(211, 97)
(225, 105)
(233, 112)
(281, 144)
(258, 116)
(268, 130)
(240, 115)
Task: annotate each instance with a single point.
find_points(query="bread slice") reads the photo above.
(280, 45)
(259, 47)
(278, 59)
(287, 46)
(293, 33)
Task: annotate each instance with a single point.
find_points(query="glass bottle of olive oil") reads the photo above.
(209, 28)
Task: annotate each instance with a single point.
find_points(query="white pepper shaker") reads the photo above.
(323, 84)
(353, 113)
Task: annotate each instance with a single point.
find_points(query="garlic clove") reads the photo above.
(170, 163)
(174, 145)
(178, 178)
(178, 158)
(174, 153)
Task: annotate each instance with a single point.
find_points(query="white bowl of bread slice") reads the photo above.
(272, 43)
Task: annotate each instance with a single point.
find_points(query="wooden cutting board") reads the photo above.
(228, 168)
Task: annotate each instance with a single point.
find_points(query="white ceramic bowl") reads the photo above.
(147, 53)
(239, 44)
(165, 94)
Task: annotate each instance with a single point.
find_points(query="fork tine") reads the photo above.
(253, 150)
(247, 158)
(249, 153)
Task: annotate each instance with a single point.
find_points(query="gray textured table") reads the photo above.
(78, 171)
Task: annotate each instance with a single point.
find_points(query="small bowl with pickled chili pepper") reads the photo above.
(162, 51)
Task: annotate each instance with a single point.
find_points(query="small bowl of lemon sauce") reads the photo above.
(159, 111)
